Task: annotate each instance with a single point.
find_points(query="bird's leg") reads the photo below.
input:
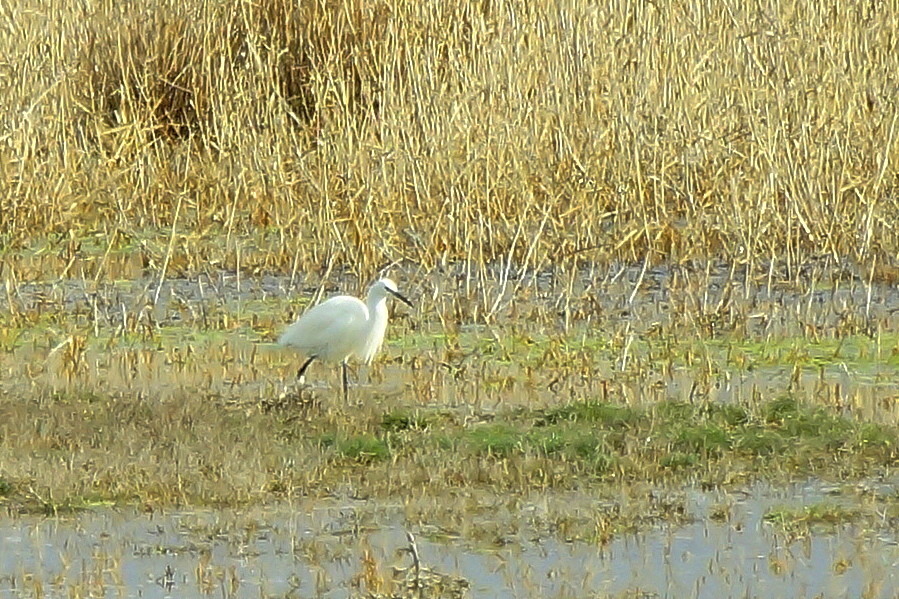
(345, 393)
(303, 368)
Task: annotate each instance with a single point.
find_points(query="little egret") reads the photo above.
(343, 327)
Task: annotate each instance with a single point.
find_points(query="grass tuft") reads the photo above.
(364, 449)
(495, 439)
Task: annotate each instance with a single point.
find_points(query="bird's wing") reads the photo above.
(329, 330)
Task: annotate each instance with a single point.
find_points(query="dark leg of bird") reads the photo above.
(303, 368)
(345, 394)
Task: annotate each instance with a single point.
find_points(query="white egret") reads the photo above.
(343, 327)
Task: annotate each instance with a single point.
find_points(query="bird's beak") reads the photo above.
(401, 297)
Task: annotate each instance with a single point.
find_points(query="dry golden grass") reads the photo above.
(300, 136)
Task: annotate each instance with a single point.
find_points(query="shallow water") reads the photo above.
(317, 549)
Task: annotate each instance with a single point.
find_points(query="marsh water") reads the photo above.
(342, 547)
(317, 549)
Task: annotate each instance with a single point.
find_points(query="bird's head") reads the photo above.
(387, 286)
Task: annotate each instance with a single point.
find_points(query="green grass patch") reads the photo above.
(758, 441)
(587, 448)
(363, 448)
(684, 438)
(876, 436)
(494, 439)
(703, 437)
(809, 424)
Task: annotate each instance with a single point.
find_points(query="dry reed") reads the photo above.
(303, 135)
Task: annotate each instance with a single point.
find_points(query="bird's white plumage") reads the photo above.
(330, 331)
(343, 327)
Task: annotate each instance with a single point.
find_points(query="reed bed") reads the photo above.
(305, 136)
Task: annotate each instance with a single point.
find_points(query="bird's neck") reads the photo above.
(376, 305)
